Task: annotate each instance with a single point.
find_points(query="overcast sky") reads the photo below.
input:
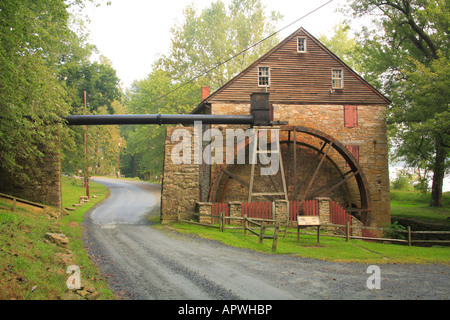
(131, 33)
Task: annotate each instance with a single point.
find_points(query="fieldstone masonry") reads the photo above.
(180, 192)
(370, 135)
(45, 185)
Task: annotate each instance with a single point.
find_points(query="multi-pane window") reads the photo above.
(263, 76)
(301, 45)
(350, 116)
(337, 78)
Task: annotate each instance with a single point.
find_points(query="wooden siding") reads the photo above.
(300, 78)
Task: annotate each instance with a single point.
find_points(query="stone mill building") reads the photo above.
(332, 137)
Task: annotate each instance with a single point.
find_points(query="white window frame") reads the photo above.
(336, 80)
(263, 76)
(304, 44)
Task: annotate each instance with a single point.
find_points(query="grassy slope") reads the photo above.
(31, 268)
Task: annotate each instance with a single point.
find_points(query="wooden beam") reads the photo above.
(316, 171)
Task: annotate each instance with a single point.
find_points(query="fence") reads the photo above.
(339, 216)
(339, 219)
(306, 207)
(262, 210)
(262, 230)
(30, 203)
(218, 209)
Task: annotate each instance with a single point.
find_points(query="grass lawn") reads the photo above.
(71, 226)
(329, 248)
(405, 204)
(415, 205)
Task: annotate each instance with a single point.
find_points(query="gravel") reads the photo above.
(142, 262)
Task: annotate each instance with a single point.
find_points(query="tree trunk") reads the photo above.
(438, 174)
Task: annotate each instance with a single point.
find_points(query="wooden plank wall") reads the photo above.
(299, 78)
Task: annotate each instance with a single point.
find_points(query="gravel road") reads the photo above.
(144, 263)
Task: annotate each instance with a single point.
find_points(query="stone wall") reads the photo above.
(180, 186)
(45, 180)
(370, 135)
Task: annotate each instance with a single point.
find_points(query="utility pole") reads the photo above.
(86, 177)
(118, 159)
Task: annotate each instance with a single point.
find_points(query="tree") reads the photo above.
(145, 151)
(101, 84)
(203, 42)
(343, 45)
(34, 38)
(98, 79)
(406, 55)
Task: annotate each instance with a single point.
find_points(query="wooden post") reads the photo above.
(288, 214)
(245, 225)
(221, 221)
(318, 234)
(347, 231)
(262, 231)
(409, 236)
(275, 237)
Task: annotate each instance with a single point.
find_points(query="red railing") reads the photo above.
(261, 210)
(338, 215)
(217, 209)
(308, 208)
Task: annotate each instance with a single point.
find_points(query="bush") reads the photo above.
(403, 181)
(392, 231)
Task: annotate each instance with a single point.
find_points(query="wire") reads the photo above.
(245, 50)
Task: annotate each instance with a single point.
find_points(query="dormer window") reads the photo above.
(337, 79)
(263, 76)
(301, 45)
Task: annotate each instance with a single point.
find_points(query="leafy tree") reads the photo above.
(406, 54)
(145, 149)
(34, 39)
(205, 40)
(98, 79)
(343, 45)
(38, 44)
(202, 42)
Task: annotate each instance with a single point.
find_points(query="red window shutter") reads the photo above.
(354, 150)
(350, 116)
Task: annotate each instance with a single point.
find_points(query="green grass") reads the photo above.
(28, 265)
(406, 204)
(415, 205)
(329, 248)
(31, 268)
(71, 226)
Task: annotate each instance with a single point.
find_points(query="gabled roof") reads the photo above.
(298, 78)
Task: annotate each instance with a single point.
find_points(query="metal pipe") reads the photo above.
(157, 119)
